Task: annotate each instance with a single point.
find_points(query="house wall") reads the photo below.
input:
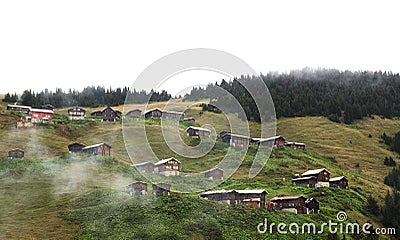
(39, 116)
(15, 154)
(239, 141)
(279, 142)
(214, 174)
(161, 189)
(108, 115)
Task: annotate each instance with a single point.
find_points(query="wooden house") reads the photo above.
(296, 204)
(19, 108)
(136, 188)
(76, 113)
(295, 145)
(339, 182)
(135, 113)
(235, 140)
(76, 147)
(109, 114)
(40, 115)
(153, 113)
(198, 132)
(145, 167)
(312, 206)
(189, 119)
(173, 115)
(161, 189)
(214, 173)
(168, 167)
(225, 196)
(321, 174)
(255, 198)
(16, 153)
(308, 182)
(276, 141)
(48, 107)
(100, 149)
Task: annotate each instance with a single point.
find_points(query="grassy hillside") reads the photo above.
(49, 194)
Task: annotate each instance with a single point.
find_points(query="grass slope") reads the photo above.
(47, 195)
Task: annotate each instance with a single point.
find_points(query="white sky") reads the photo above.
(72, 44)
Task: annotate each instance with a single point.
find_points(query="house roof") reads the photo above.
(295, 143)
(217, 192)
(315, 171)
(251, 191)
(310, 200)
(199, 128)
(41, 110)
(303, 178)
(166, 160)
(153, 109)
(76, 108)
(96, 145)
(19, 106)
(215, 169)
(335, 179)
(143, 164)
(174, 112)
(134, 110)
(271, 138)
(77, 143)
(286, 198)
(16, 149)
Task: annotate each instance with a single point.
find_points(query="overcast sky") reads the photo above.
(72, 44)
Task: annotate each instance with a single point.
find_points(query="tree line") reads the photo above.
(88, 97)
(342, 96)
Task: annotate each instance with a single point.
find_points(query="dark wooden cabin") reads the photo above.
(189, 119)
(276, 141)
(255, 198)
(168, 167)
(295, 145)
(235, 140)
(76, 147)
(153, 113)
(173, 115)
(308, 182)
(76, 113)
(161, 189)
(16, 153)
(145, 167)
(136, 188)
(19, 108)
(312, 206)
(109, 114)
(214, 173)
(198, 132)
(321, 174)
(295, 204)
(339, 182)
(100, 149)
(225, 196)
(135, 113)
